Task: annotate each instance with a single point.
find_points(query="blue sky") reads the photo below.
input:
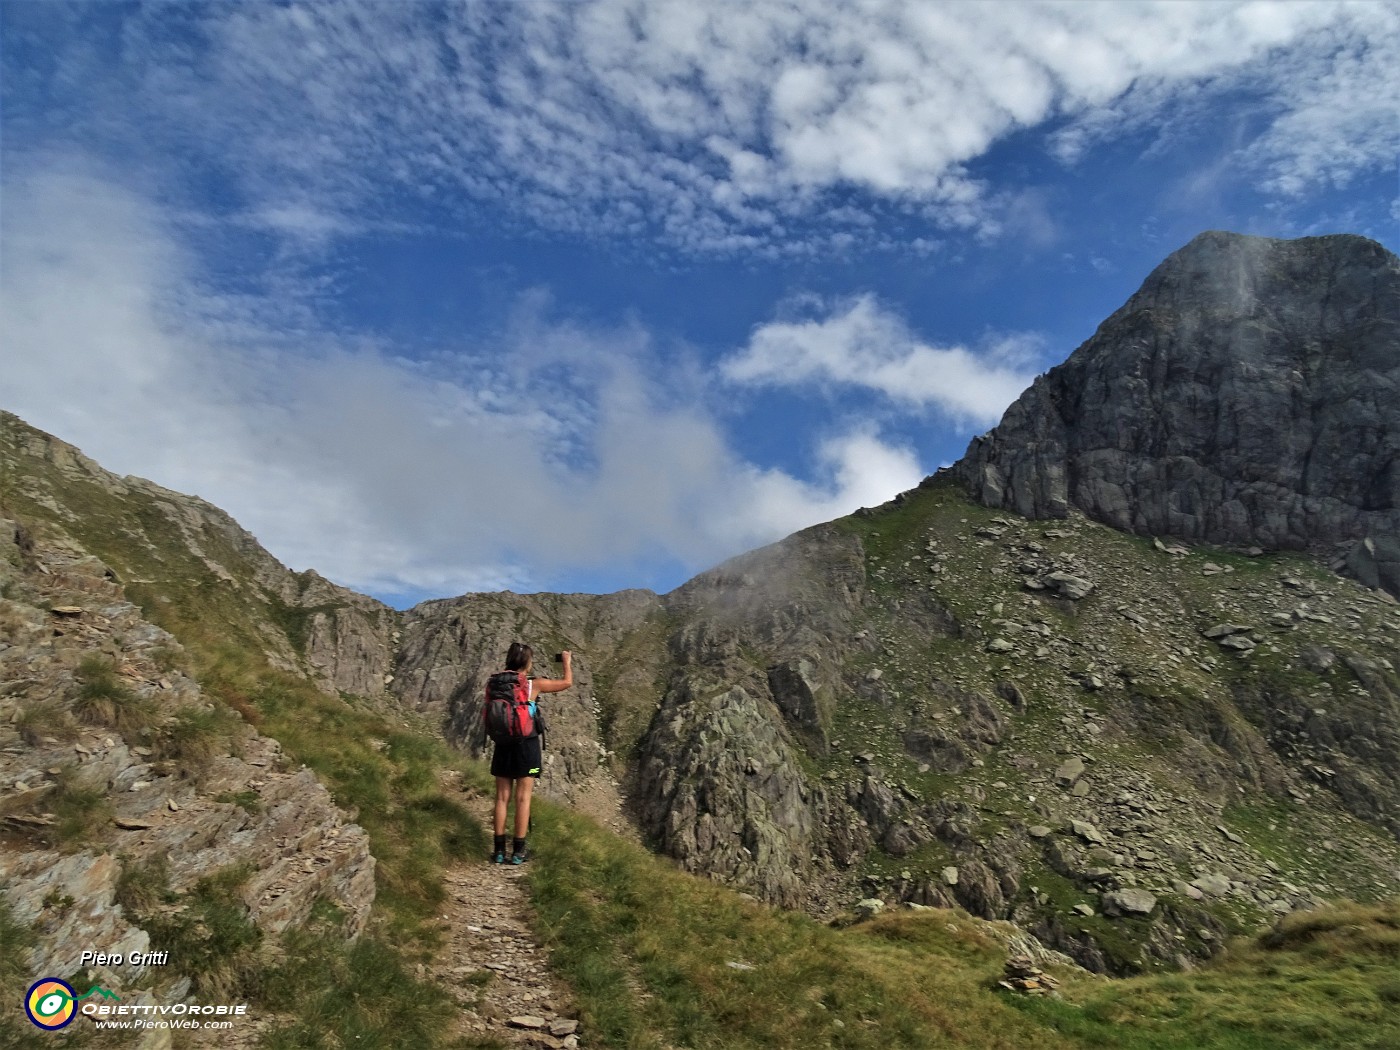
(582, 296)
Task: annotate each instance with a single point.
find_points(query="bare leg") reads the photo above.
(502, 800)
(523, 789)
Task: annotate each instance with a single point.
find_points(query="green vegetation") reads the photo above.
(81, 811)
(212, 936)
(249, 801)
(195, 736)
(658, 958)
(101, 699)
(350, 994)
(296, 620)
(140, 887)
(15, 941)
(625, 713)
(1319, 980)
(56, 902)
(46, 719)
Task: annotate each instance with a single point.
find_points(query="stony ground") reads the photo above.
(492, 963)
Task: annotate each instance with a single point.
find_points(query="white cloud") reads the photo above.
(713, 126)
(1321, 92)
(861, 470)
(863, 344)
(1339, 109)
(557, 449)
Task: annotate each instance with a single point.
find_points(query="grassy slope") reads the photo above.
(650, 952)
(1329, 978)
(383, 768)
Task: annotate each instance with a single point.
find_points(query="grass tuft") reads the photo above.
(249, 801)
(81, 811)
(194, 737)
(141, 887)
(45, 720)
(101, 699)
(212, 936)
(15, 976)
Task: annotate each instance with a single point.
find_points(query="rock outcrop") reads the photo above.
(1247, 395)
(450, 647)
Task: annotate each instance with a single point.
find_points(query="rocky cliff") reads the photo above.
(1247, 395)
(450, 647)
(192, 559)
(1129, 747)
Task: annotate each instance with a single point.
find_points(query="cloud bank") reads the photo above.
(554, 449)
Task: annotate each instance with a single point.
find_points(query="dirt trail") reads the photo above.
(491, 962)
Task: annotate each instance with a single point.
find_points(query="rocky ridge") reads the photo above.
(169, 550)
(936, 704)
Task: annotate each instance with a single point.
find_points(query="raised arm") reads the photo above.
(553, 685)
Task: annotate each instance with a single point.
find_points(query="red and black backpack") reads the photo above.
(509, 712)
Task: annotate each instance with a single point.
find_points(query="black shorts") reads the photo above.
(517, 759)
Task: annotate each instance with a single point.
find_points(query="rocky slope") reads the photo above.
(1247, 395)
(123, 787)
(449, 648)
(1130, 745)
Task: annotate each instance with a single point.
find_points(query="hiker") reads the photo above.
(517, 758)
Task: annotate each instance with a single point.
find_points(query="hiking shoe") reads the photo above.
(521, 857)
(499, 857)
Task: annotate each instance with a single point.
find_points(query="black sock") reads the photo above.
(500, 845)
(517, 846)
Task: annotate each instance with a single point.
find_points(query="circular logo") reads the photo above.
(49, 1003)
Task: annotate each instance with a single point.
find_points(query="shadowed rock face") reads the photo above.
(1248, 394)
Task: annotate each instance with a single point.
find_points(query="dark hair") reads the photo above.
(518, 657)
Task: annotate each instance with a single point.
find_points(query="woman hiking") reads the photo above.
(516, 762)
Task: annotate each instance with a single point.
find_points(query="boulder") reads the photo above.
(1087, 832)
(869, 907)
(1067, 585)
(1128, 901)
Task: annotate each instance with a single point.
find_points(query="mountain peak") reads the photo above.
(1248, 394)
